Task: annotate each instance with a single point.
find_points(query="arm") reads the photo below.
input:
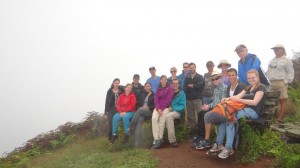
(107, 102)
(168, 98)
(132, 104)
(238, 96)
(199, 83)
(258, 96)
(119, 102)
(290, 72)
(181, 103)
(156, 101)
(256, 63)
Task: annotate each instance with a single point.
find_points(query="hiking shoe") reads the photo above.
(113, 139)
(216, 148)
(174, 144)
(203, 145)
(126, 137)
(225, 153)
(157, 144)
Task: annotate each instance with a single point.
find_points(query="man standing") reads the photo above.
(137, 88)
(280, 72)
(193, 87)
(184, 73)
(154, 79)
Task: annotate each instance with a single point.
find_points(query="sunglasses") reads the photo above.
(185, 67)
(215, 79)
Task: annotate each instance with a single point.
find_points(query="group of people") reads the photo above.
(164, 99)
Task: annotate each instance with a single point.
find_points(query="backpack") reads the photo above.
(228, 108)
(262, 77)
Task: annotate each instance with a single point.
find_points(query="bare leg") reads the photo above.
(207, 131)
(282, 109)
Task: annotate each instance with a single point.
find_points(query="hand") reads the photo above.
(205, 107)
(224, 99)
(190, 85)
(160, 112)
(122, 114)
(170, 109)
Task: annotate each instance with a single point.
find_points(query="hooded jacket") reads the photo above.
(163, 97)
(110, 99)
(126, 103)
(178, 102)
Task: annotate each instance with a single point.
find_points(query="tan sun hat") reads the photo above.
(224, 61)
(215, 74)
(278, 46)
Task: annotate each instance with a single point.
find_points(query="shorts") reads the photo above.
(279, 85)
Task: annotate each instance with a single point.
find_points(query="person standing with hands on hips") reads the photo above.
(280, 72)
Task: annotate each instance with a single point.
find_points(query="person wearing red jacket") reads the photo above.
(126, 106)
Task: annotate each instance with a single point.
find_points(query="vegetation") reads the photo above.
(78, 145)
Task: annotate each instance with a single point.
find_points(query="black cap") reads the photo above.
(136, 76)
(152, 67)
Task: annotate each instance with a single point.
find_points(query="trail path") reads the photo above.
(185, 156)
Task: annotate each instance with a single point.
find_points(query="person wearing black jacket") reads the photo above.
(145, 109)
(137, 88)
(112, 96)
(193, 87)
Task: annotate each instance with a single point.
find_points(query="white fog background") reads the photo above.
(59, 57)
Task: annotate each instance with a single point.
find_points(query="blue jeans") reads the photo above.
(248, 113)
(126, 122)
(229, 129)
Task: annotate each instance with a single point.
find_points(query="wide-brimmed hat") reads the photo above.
(215, 74)
(278, 46)
(224, 61)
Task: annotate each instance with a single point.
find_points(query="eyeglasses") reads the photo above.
(185, 67)
(215, 79)
(172, 71)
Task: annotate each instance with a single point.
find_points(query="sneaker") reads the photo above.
(174, 144)
(157, 144)
(217, 148)
(113, 139)
(225, 153)
(126, 137)
(203, 145)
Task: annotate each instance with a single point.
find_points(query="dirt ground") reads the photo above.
(186, 156)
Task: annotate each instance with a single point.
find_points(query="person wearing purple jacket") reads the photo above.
(162, 102)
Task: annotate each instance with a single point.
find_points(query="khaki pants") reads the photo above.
(158, 124)
(171, 116)
(193, 107)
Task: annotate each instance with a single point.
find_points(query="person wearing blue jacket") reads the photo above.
(247, 61)
(176, 111)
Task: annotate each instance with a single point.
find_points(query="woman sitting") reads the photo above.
(126, 107)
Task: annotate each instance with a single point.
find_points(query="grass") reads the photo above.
(94, 153)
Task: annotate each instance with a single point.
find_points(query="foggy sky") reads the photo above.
(58, 58)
